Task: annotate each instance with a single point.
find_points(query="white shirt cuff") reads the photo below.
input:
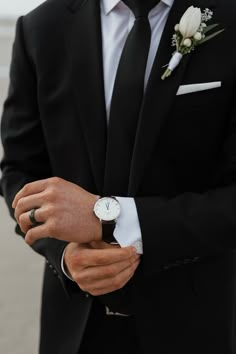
(127, 231)
(62, 266)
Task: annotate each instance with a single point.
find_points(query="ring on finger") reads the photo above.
(32, 218)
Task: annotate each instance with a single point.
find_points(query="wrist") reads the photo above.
(107, 210)
(98, 229)
(96, 221)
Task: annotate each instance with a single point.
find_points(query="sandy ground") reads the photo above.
(20, 267)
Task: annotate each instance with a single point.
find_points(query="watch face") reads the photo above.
(107, 209)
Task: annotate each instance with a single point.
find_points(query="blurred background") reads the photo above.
(20, 267)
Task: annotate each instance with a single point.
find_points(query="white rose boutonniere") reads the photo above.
(190, 32)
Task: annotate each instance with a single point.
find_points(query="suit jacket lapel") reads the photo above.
(159, 96)
(88, 81)
(89, 87)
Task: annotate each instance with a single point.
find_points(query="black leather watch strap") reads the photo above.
(107, 232)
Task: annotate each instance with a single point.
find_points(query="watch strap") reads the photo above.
(107, 232)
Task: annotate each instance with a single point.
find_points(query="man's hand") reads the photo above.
(99, 268)
(64, 209)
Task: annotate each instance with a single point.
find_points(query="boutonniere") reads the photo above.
(190, 32)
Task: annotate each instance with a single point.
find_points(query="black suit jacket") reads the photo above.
(182, 173)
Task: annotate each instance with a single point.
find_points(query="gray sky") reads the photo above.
(15, 8)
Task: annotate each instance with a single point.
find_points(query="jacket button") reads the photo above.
(87, 295)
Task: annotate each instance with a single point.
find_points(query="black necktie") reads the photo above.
(124, 113)
(127, 99)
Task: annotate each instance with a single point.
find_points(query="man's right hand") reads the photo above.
(99, 268)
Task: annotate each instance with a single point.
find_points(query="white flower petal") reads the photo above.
(190, 22)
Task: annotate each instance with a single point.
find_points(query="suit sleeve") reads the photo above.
(191, 226)
(25, 155)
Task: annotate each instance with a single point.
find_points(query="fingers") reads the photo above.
(103, 257)
(25, 204)
(37, 232)
(24, 222)
(98, 278)
(29, 189)
(34, 195)
(101, 286)
(91, 274)
(24, 219)
(102, 244)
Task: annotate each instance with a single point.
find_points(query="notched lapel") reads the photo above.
(160, 95)
(88, 82)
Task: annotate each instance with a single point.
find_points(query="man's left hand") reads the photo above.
(63, 209)
(100, 268)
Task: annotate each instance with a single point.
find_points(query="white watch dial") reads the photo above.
(107, 209)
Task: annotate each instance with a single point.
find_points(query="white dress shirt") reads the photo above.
(117, 21)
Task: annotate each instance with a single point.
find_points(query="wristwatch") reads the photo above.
(107, 210)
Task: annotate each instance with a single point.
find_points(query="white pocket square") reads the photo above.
(184, 89)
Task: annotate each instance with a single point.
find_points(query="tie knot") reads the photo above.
(141, 8)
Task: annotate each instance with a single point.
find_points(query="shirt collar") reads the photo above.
(168, 2)
(109, 5)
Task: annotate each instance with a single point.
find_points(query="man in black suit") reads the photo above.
(171, 286)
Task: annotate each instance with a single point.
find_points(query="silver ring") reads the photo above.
(32, 219)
